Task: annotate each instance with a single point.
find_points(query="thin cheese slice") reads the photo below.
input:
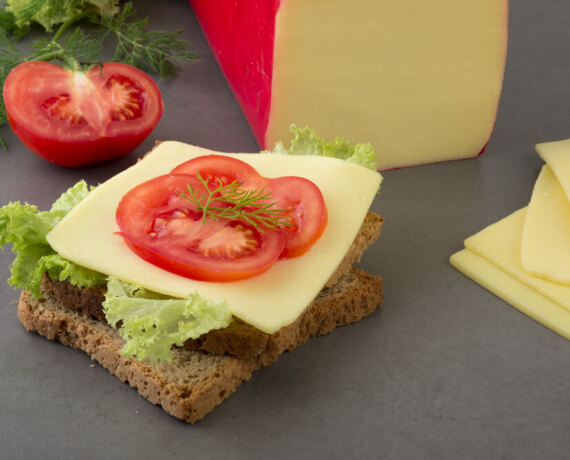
(545, 247)
(557, 156)
(269, 301)
(500, 244)
(516, 293)
(492, 259)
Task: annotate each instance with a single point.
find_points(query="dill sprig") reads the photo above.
(154, 50)
(253, 206)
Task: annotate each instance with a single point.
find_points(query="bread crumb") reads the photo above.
(91, 366)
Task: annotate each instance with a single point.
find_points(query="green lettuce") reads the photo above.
(151, 323)
(306, 142)
(50, 14)
(25, 228)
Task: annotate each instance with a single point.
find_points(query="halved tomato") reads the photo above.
(169, 231)
(72, 118)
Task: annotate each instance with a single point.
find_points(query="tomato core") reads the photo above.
(128, 101)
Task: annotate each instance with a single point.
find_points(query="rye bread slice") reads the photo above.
(196, 382)
(239, 339)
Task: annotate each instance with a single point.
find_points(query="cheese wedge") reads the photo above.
(499, 246)
(418, 79)
(545, 247)
(269, 301)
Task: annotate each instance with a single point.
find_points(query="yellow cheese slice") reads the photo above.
(418, 79)
(557, 156)
(492, 259)
(516, 293)
(545, 249)
(269, 301)
(500, 244)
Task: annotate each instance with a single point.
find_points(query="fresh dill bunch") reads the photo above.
(10, 56)
(78, 49)
(152, 50)
(84, 47)
(253, 206)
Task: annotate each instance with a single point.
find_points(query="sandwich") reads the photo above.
(184, 297)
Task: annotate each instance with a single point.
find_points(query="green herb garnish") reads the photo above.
(253, 206)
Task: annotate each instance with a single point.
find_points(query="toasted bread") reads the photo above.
(195, 382)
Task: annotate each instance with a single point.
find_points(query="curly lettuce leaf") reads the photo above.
(306, 142)
(61, 269)
(52, 13)
(151, 325)
(25, 228)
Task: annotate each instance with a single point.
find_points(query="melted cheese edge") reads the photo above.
(87, 235)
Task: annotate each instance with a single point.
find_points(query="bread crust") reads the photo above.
(196, 382)
(188, 388)
(355, 295)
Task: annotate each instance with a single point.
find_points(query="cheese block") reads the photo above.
(268, 301)
(418, 79)
(545, 246)
(497, 266)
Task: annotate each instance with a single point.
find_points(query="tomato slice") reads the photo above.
(73, 118)
(169, 231)
(301, 198)
(306, 208)
(218, 168)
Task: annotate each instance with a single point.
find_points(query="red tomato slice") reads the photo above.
(301, 198)
(218, 167)
(307, 209)
(167, 230)
(75, 118)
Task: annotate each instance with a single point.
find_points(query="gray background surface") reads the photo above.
(445, 370)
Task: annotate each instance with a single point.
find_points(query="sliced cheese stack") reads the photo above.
(525, 258)
(418, 79)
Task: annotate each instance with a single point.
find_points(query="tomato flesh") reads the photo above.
(301, 198)
(170, 231)
(218, 167)
(167, 230)
(306, 209)
(74, 118)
